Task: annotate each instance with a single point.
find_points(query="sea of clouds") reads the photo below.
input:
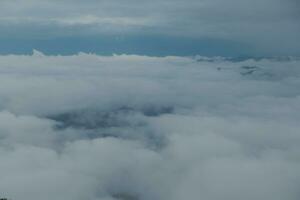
(149, 128)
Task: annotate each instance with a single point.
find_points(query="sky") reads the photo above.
(143, 27)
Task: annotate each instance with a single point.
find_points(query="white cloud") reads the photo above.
(138, 127)
(94, 20)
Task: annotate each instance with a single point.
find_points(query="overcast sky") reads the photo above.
(257, 27)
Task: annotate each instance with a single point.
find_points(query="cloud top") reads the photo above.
(139, 128)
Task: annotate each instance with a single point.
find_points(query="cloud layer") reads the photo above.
(268, 26)
(137, 127)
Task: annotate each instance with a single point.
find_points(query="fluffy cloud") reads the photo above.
(137, 127)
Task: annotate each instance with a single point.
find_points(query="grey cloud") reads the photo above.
(270, 26)
(137, 127)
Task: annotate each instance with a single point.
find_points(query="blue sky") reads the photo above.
(169, 27)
